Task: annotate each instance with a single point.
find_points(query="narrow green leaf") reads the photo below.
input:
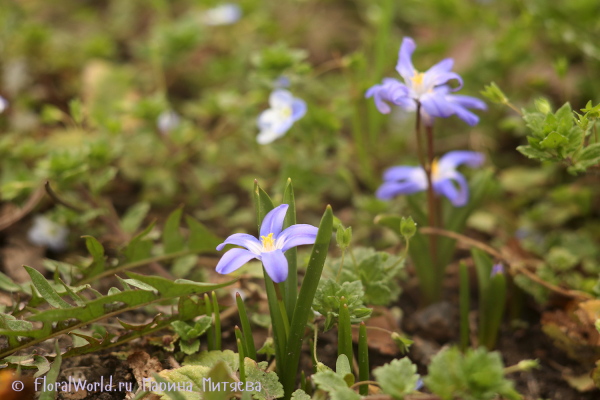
(52, 375)
(217, 321)
(47, 292)
(247, 330)
(76, 298)
(305, 300)
(464, 305)
(134, 216)
(483, 266)
(291, 283)
(138, 248)
(211, 332)
(363, 359)
(496, 301)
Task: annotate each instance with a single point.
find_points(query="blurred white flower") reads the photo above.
(45, 232)
(167, 121)
(224, 14)
(3, 104)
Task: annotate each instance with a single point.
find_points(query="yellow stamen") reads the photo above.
(286, 112)
(268, 242)
(434, 168)
(418, 79)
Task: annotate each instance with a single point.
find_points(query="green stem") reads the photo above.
(341, 265)
(239, 337)
(217, 322)
(353, 258)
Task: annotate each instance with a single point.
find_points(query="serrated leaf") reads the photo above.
(138, 248)
(328, 298)
(270, 387)
(553, 141)
(210, 359)
(52, 375)
(335, 385)
(300, 395)
(398, 378)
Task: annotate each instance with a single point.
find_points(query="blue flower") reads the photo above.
(497, 269)
(445, 178)
(277, 120)
(273, 243)
(428, 88)
(224, 14)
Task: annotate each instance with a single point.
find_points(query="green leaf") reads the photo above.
(268, 348)
(270, 387)
(397, 378)
(8, 284)
(210, 359)
(138, 248)
(300, 395)
(52, 375)
(46, 291)
(328, 296)
(342, 368)
(291, 283)
(201, 239)
(134, 216)
(305, 300)
(172, 238)
(97, 251)
(534, 154)
(478, 375)
(553, 141)
(335, 385)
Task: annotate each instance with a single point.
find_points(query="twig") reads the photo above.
(30, 204)
(58, 200)
(514, 266)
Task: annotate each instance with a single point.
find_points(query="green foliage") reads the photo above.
(335, 385)
(328, 297)
(398, 378)
(476, 375)
(189, 333)
(378, 272)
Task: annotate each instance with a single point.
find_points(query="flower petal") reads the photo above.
(389, 190)
(276, 265)
(280, 98)
(467, 101)
(443, 66)
(405, 67)
(267, 136)
(402, 172)
(296, 235)
(466, 115)
(451, 160)
(233, 260)
(377, 92)
(298, 109)
(446, 187)
(436, 105)
(442, 78)
(242, 239)
(273, 221)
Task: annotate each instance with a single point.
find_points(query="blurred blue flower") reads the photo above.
(224, 14)
(282, 82)
(273, 243)
(277, 120)
(167, 121)
(3, 104)
(429, 88)
(497, 269)
(446, 180)
(45, 232)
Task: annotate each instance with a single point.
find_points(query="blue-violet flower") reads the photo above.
(428, 88)
(273, 243)
(167, 121)
(404, 179)
(224, 14)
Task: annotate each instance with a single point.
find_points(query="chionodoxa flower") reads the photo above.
(274, 241)
(224, 14)
(277, 120)
(445, 179)
(429, 88)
